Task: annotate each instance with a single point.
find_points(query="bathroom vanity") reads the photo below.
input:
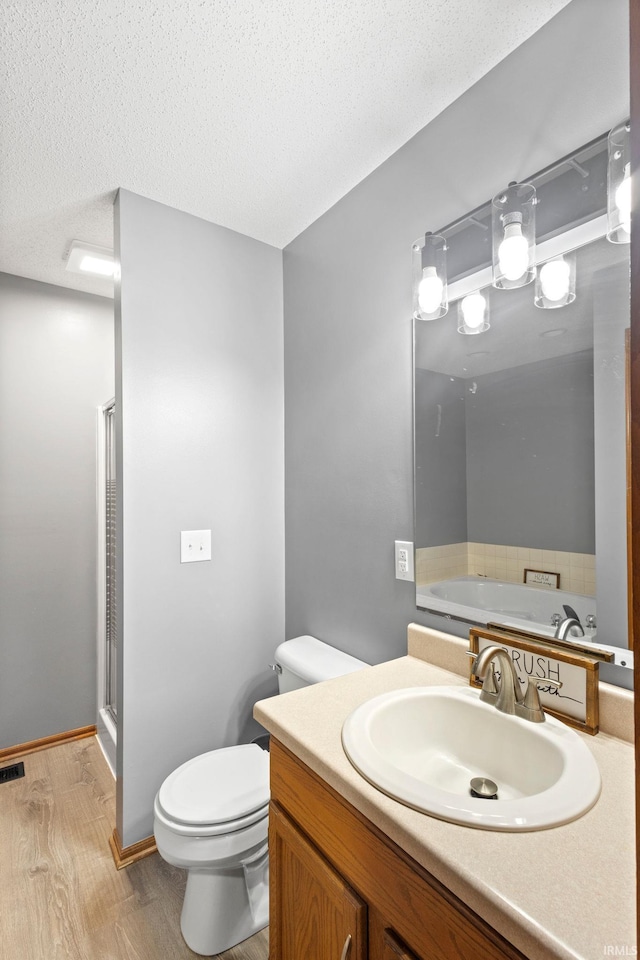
(323, 851)
(368, 877)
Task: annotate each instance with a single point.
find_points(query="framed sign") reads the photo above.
(542, 578)
(575, 702)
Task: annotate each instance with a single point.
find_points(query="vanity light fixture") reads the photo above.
(473, 313)
(619, 184)
(516, 253)
(90, 259)
(430, 300)
(513, 217)
(556, 283)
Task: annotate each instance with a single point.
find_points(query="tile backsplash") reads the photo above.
(577, 570)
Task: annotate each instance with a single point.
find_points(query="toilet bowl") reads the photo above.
(211, 818)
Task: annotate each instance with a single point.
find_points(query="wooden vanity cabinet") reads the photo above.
(341, 890)
(315, 912)
(393, 949)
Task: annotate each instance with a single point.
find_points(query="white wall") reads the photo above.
(56, 367)
(200, 393)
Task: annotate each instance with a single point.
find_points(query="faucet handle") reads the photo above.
(489, 684)
(531, 702)
(544, 682)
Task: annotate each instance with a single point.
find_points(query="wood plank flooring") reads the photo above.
(61, 897)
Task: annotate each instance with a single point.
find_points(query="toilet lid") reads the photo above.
(217, 787)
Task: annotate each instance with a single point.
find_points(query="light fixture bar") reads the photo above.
(584, 173)
(557, 246)
(479, 223)
(538, 179)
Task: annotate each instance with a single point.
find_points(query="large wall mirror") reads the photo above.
(520, 413)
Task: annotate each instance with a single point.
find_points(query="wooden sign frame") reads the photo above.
(547, 654)
(537, 578)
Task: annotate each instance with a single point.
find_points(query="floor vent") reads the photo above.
(14, 772)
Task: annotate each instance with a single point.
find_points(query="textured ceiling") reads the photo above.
(255, 114)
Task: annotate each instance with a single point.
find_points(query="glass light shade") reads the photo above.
(513, 218)
(556, 283)
(430, 299)
(473, 313)
(619, 185)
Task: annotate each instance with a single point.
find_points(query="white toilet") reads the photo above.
(211, 818)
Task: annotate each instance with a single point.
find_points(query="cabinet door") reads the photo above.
(400, 895)
(394, 949)
(314, 914)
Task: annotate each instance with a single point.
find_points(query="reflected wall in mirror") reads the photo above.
(520, 455)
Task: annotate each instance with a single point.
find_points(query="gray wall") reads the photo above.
(348, 357)
(530, 456)
(440, 459)
(56, 368)
(511, 463)
(200, 391)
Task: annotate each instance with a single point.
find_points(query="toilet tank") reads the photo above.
(305, 660)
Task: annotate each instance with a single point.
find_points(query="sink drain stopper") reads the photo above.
(483, 788)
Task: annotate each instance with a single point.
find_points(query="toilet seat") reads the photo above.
(218, 792)
(210, 829)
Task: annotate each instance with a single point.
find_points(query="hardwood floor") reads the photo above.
(61, 897)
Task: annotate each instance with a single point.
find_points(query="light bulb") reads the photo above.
(623, 200)
(555, 278)
(430, 291)
(473, 310)
(513, 252)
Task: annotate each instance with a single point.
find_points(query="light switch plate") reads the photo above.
(195, 545)
(404, 560)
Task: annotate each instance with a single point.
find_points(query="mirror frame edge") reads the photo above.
(634, 65)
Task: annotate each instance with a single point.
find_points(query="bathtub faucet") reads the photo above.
(569, 627)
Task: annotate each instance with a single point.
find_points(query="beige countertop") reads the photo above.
(566, 892)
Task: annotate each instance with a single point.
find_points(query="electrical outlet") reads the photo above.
(404, 560)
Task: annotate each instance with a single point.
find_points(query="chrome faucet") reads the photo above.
(569, 627)
(506, 695)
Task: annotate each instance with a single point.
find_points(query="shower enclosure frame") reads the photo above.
(106, 720)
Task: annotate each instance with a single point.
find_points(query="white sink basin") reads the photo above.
(423, 745)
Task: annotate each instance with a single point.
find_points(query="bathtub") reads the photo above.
(481, 600)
